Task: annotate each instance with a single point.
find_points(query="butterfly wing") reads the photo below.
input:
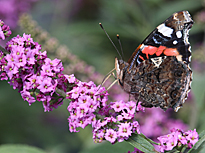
(158, 72)
(164, 86)
(169, 39)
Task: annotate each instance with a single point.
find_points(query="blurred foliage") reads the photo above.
(19, 149)
(75, 23)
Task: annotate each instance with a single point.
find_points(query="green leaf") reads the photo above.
(19, 148)
(141, 143)
(199, 145)
(201, 134)
(150, 140)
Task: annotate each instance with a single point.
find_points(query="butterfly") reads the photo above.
(158, 73)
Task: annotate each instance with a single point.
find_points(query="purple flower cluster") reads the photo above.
(155, 122)
(178, 138)
(4, 30)
(12, 9)
(31, 72)
(112, 122)
(37, 78)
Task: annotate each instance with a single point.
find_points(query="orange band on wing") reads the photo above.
(149, 50)
(171, 52)
(160, 50)
(141, 57)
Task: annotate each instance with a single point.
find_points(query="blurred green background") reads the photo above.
(75, 24)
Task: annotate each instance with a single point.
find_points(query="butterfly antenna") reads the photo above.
(110, 40)
(118, 38)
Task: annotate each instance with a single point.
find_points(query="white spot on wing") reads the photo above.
(175, 42)
(189, 58)
(157, 61)
(142, 46)
(178, 34)
(179, 57)
(186, 36)
(164, 30)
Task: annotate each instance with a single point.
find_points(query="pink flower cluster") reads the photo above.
(112, 122)
(178, 138)
(12, 9)
(4, 30)
(155, 122)
(37, 77)
(86, 98)
(31, 72)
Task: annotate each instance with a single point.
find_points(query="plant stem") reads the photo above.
(61, 92)
(3, 50)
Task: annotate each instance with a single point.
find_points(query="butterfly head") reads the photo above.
(121, 70)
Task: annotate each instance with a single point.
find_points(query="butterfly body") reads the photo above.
(158, 72)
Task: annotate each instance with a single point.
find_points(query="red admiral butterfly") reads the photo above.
(158, 72)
